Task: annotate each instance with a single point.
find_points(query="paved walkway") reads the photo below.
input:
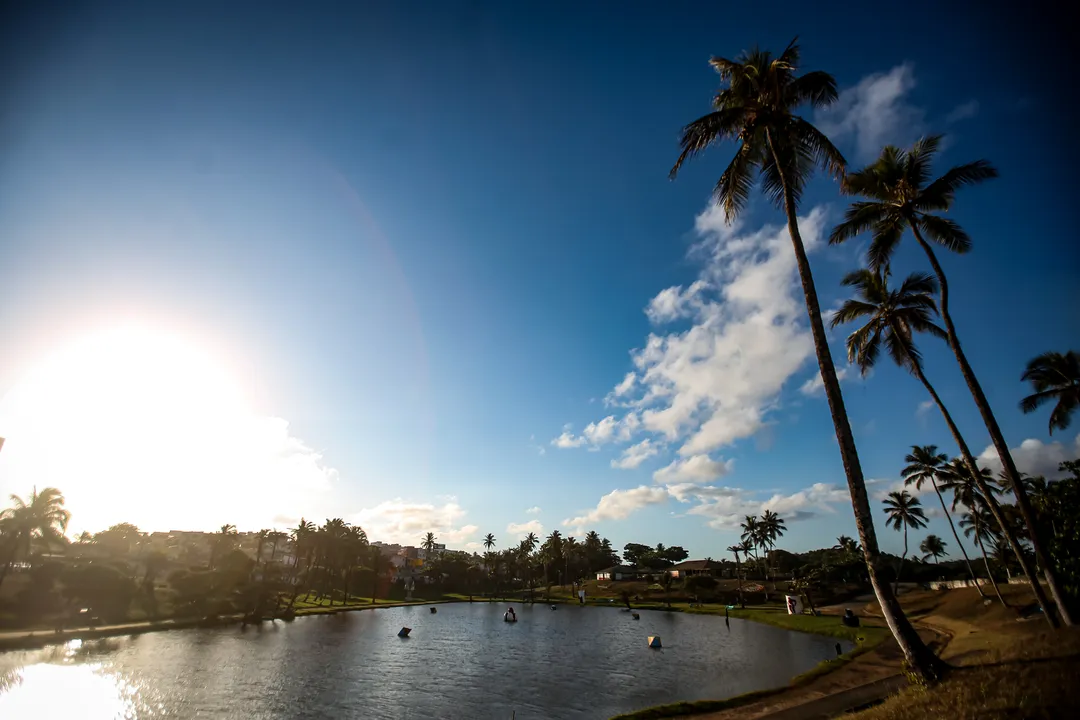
(843, 702)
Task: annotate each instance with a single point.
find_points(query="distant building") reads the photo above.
(621, 572)
(689, 568)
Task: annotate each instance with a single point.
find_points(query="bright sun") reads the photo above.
(141, 426)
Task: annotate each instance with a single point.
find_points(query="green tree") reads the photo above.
(933, 546)
(751, 534)
(893, 316)
(904, 511)
(489, 541)
(923, 465)
(1054, 377)
(899, 196)
(222, 542)
(41, 518)
(757, 107)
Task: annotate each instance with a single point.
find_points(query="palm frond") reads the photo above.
(816, 88)
(732, 191)
(824, 152)
(945, 232)
(706, 130)
(1061, 416)
(885, 238)
(851, 310)
(945, 187)
(858, 218)
(1033, 402)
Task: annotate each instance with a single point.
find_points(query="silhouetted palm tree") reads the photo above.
(979, 523)
(923, 464)
(1054, 377)
(757, 107)
(735, 550)
(900, 196)
(893, 317)
(489, 541)
(40, 517)
(932, 546)
(904, 511)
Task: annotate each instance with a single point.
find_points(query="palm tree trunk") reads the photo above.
(900, 566)
(992, 503)
(989, 575)
(919, 657)
(917, 371)
(998, 440)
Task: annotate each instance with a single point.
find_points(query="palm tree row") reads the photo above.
(757, 107)
(563, 560)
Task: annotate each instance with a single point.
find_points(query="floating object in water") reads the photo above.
(552, 607)
(509, 618)
(636, 616)
(839, 650)
(434, 610)
(654, 641)
(404, 632)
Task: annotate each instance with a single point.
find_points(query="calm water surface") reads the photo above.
(462, 662)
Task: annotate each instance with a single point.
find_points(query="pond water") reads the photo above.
(461, 662)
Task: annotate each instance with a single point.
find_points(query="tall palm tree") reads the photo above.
(221, 542)
(276, 537)
(735, 550)
(530, 542)
(979, 523)
(751, 535)
(900, 195)
(979, 497)
(489, 541)
(933, 546)
(893, 318)
(757, 107)
(772, 529)
(428, 543)
(923, 465)
(40, 517)
(904, 511)
(1054, 376)
(847, 544)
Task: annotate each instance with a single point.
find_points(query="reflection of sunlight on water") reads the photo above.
(65, 689)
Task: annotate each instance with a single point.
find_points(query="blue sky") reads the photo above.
(434, 240)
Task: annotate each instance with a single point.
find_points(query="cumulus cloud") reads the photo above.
(618, 505)
(714, 383)
(404, 522)
(924, 407)
(1035, 457)
(694, 469)
(634, 455)
(875, 112)
(520, 530)
(601, 432)
(816, 386)
(534, 510)
(725, 508)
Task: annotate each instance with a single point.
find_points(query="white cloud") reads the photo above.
(567, 440)
(962, 112)
(634, 455)
(600, 433)
(618, 505)
(520, 530)
(725, 508)
(875, 113)
(675, 302)
(714, 383)
(924, 407)
(1034, 457)
(621, 389)
(815, 385)
(694, 469)
(404, 522)
(534, 510)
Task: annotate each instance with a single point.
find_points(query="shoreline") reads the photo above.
(30, 639)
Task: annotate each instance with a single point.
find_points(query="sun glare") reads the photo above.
(138, 425)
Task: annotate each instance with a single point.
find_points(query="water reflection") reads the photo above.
(462, 662)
